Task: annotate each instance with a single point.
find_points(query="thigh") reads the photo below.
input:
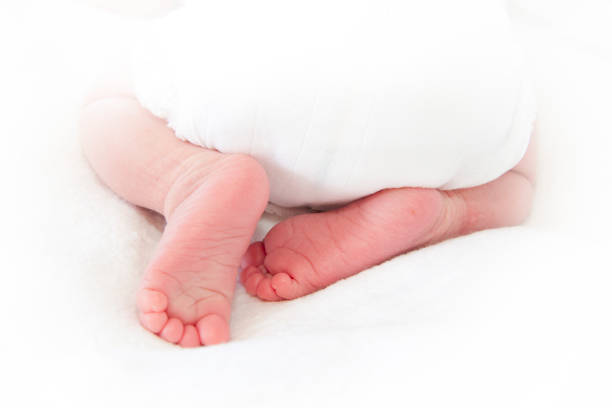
(134, 152)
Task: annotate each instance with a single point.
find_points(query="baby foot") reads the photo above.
(211, 212)
(308, 252)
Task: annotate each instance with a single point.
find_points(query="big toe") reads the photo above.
(254, 256)
(213, 329)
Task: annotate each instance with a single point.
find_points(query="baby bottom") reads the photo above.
(212, 202)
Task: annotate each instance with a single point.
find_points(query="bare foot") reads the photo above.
(211, 203)
(189, 283)
(308, 252)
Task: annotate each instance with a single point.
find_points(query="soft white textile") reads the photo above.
(338, 99)
(509, 318)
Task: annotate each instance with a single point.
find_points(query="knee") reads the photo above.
(520, 199)
(97, 114)
(99, 107)
(105, 102)
(109, 85)
(89, 121)
(102, 128)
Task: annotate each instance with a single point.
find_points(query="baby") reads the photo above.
(229, 110)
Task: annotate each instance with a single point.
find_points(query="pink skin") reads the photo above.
(311, 251)
(212, 202)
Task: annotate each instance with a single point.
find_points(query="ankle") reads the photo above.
(452, 219)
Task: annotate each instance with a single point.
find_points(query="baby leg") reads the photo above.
(211, 202)
(308, 252)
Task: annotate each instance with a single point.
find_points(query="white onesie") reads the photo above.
(340, 99)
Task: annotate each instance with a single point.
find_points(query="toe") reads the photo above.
(250, 277)
(172, 331)
(286, 287)
(152, 301)
(258, 282)
(254, 256)
(213, 329)
(190, 337)
(265, 291)
(154, 322)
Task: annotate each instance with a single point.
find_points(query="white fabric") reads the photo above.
(508, 318)
(337, 99)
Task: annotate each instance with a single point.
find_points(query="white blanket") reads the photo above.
(511, 317)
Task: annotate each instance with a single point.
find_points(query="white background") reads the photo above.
(516, 317)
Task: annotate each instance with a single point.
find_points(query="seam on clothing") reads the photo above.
(308, 129)
(364, 136)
